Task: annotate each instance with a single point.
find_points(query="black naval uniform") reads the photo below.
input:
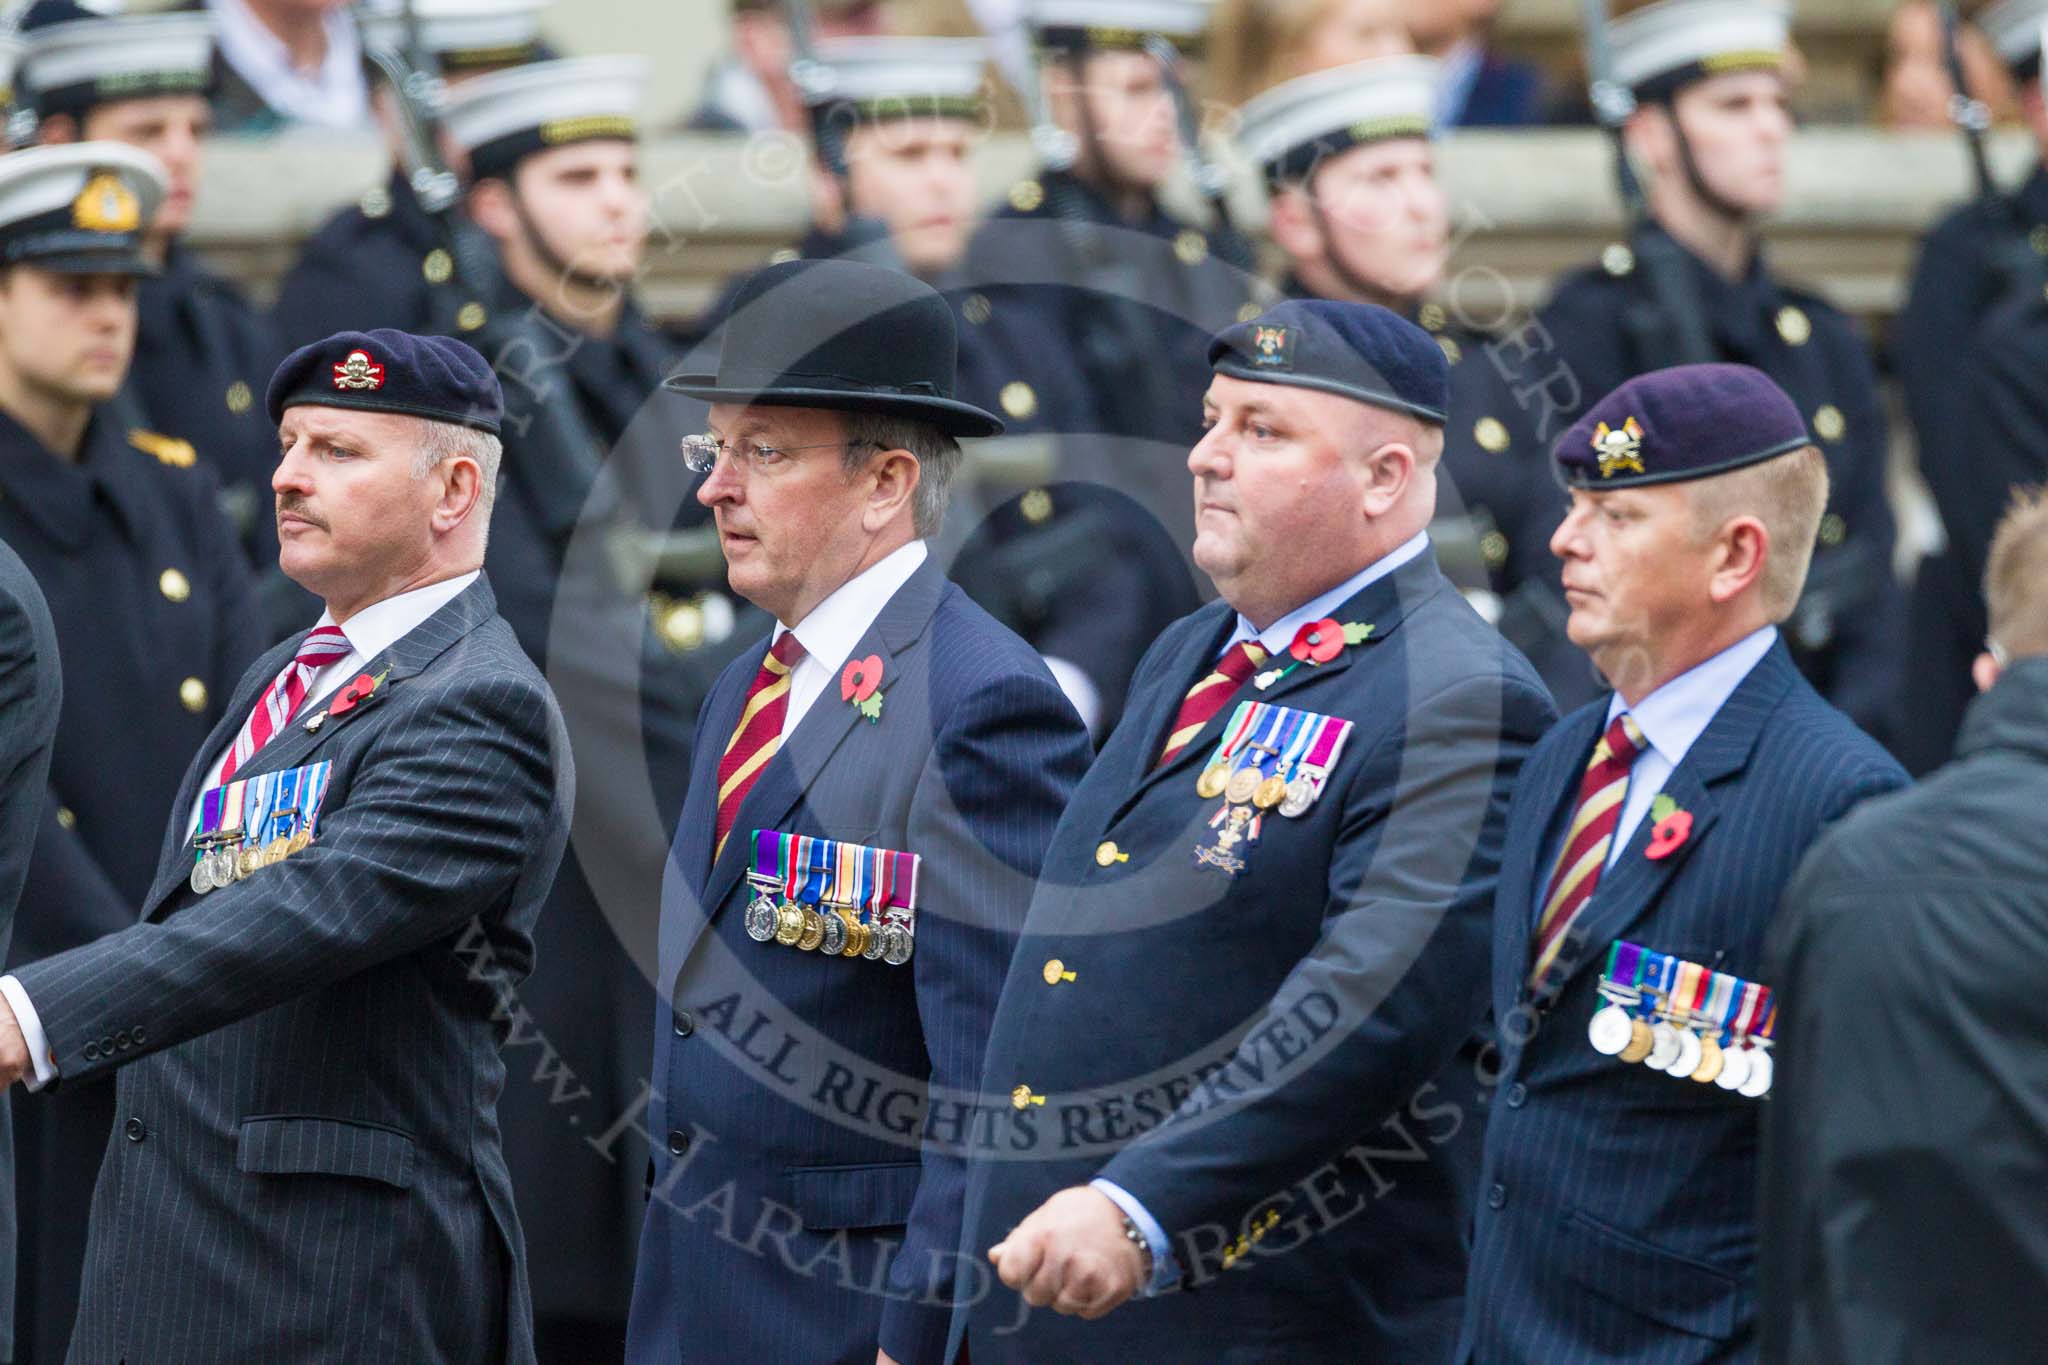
(1846, 632)
(374, 265)
(1982, 263)
(156, 621)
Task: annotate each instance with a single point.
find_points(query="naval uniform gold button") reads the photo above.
(1492, 434)
(1018, 400)
(375, 203)
(192, 694)
(1191, 247)
(1431, 316)
(1056, 972)
(1026, 195)
(1249, 311)
(174, 585)
(2038, 239)
(1036, 506)
(1107, 853)
(1833, 529)
(239, 397)
(470, 316)
(1493, 548)
(1618, 260)
(977, 309)
(66, 818)
(1453, 352)
(1794, 325)
(1022, 1098)
(438, 266)
(682, 625)
(1828, 423)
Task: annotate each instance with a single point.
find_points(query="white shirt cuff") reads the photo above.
(1165, 1270)
(31, 1025)
(1082, 693)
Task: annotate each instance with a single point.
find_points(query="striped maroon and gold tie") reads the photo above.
(1587, 840)
(758, 734)
(1211, 694)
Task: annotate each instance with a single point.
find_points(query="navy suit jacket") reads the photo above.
(810, 1113)
(1617, 1217)
(1327, 990)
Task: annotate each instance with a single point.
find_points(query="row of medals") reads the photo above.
(224, 860)
(1677, 1048)
(1246, 787)
(835, 931)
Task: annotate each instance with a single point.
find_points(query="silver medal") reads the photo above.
(896, 945)
(1301, 794)
(1664, 1047)
(1758, 1083)
(1610, 1030)
(1734, 1067)
(1689, 1051)
(761, 920)
(834, 941)
(878, 942)
(202, 874)
(226, 870)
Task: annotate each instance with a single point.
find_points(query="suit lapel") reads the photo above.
(719, 724)
(292, 746)
(1525, 872)
(1631, 886)
(800, 761)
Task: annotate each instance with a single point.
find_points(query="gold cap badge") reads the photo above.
(106, 205)
(1619, 448)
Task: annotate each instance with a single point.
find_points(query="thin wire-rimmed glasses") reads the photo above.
(702, 453)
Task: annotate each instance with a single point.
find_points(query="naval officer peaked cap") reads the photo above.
(80, 207)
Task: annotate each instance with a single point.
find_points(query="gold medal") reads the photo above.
(1212, 782)
(1641, 1040)
(276, 851)
(1271, 793)
(857, 936)
(246, 861)
(302, 841)
(789, 924)
(1243, 785)
(1711, 1061)
(814, 931)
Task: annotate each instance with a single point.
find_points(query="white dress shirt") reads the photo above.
(335, 96)
(833, 627)
(1274, 639)
(370, 632)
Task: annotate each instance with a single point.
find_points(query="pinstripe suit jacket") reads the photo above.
(1616, 1214)
(811, 1113)
(31, 691)
(306, 1163)
(1326, 991)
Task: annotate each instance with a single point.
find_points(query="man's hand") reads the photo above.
(1071, 1254)
(882, 1357)
(14, 1058)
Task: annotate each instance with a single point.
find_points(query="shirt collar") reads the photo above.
(1674, 716)
(333, 97)
(383, 624)
(836, 624)
(1281, 633)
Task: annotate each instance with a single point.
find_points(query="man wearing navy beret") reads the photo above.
(1649, 841)
(300, 1028)
(1224, 1074)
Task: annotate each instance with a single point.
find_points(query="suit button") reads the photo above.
(106, 1044)
(685, 1025)
(192, 695)
(678, 1142)
(174, 585)
(1518, 1095)
(135, 1131)
(122, 1042)
(1497, 1197)
(91, 1051)
(140, 1034)
(66, 818)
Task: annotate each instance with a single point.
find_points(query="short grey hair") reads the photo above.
(443, 441)
(937, 454)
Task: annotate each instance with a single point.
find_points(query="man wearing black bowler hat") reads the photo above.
(874, 787)
(300, 1026)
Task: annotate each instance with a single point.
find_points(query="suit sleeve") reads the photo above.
(30, 688)
(435, 829)
(999, 777)
(1399, 975)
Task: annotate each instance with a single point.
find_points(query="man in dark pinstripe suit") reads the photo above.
(1616, 1217)
(307, 1163)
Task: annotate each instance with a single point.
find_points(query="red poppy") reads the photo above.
(362, 687)
(861, 678)
(1318, 642)
(1670, 832)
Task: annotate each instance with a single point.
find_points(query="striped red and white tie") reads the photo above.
(758, 734)
(280, 701)
(1208, 696)
(1587, 840)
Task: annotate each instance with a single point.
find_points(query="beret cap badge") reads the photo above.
(1619, 448)
(358, 371)
(1275, 346)
(106, 205)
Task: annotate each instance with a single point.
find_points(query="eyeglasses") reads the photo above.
(702, 453)
(1996, 651)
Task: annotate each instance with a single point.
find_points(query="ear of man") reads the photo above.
(1742, 547)
(895, 474)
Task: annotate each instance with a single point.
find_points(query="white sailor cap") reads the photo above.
(2015, 28)
(461, 35)
(74, 60)
(1289, 129)
(882, 78)
(504, 116)
(1082, 25)
(1675, 42)
(79, 207)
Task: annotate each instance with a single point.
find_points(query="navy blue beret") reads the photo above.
(1359, 350)
(1687, 422)
(390, 371)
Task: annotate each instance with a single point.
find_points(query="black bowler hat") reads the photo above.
(845, 336)
(439, 378)
(1687, 422)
